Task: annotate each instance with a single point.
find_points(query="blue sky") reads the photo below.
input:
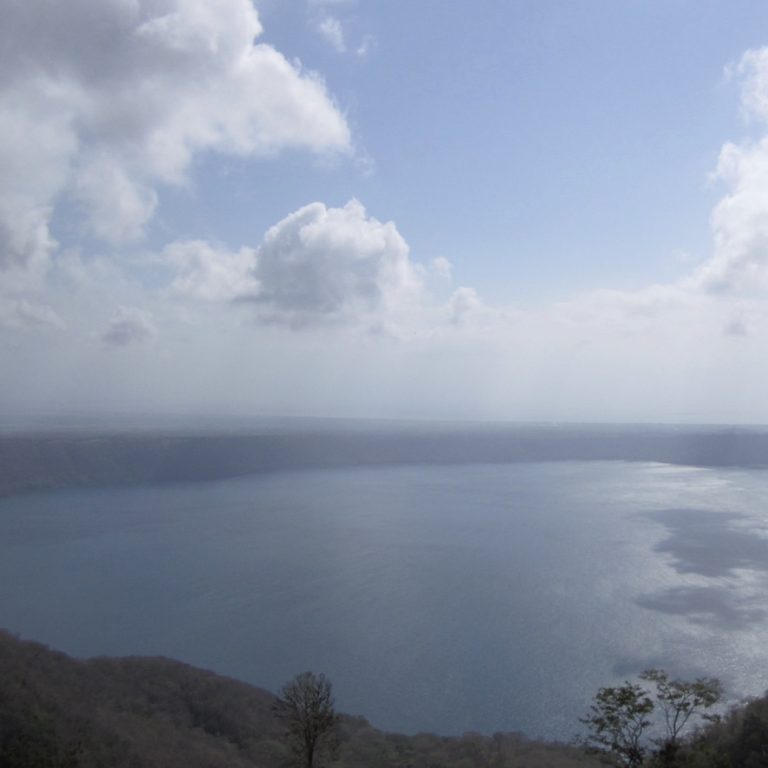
(580, 134)
(504, 210)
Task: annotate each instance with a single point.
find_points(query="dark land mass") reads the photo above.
(56, 711)
(30, 461)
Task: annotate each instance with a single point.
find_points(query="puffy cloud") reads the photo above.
(753, 69)
(36, 144)
(332, 264)
(212, 274)
(127, 326)
(463, 302)
(333, 33)
(118, 206)
(104, 101)
(739, 263)
(318, 265)
(442, 267)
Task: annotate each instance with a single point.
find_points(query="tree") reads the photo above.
(305, 706)
(679, 700)
(617, 722)
(620, 718)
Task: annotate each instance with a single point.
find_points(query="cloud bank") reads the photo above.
(127, 326)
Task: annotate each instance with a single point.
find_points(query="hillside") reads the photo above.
(56, 711)
(31, 461)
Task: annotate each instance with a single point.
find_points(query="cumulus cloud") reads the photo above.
(212, 274)
(36, 143)
(333, 33)
(739, 262)
(463, 303)
(442, 267)
(737, 268)
(752, 68)
(326, 264)
(102, 102)
(128, 325)
(317, 266)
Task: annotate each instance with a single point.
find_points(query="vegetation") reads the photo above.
(57, 712)
(617, 723)
(621, 723)
(76, 459)
(679, 701)
(305, 707)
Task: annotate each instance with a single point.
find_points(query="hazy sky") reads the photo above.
(539, 209)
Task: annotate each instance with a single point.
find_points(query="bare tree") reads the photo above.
(305, 706)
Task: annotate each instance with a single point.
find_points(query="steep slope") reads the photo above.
(56, 711)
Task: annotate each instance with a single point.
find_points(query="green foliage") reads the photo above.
(621, 722)
(617, 722)
(679, 701)
(738, 738)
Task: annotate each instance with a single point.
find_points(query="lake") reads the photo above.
(476, 597)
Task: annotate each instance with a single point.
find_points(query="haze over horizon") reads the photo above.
(336, 208)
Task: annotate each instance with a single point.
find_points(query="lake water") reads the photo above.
(448, 599)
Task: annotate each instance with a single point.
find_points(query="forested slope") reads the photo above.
(136, 712)
(30, 461)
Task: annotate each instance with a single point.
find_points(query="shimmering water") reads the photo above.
(479, 597)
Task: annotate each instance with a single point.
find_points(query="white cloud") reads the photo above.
(104, 119)
(442, 267)
(20, 313)
(105, 101)
(210, 273)
(752, 68)
(128, 325)
(463, 303)
(333, 33)
(36, 144)
(739, 262)
(330, 264)
(318, 265)
(118, 206)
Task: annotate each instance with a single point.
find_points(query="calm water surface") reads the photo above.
(444, 599)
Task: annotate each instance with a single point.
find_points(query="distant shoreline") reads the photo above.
(38, 460)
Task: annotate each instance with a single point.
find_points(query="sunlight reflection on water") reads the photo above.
(486, 597)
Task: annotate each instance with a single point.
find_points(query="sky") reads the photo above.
(527, 210)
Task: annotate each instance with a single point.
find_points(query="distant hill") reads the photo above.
(30, 461)
(58, 712)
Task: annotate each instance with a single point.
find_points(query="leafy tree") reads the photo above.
(620, 719)
(617, 722)
(679, 700)
(305, 706)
